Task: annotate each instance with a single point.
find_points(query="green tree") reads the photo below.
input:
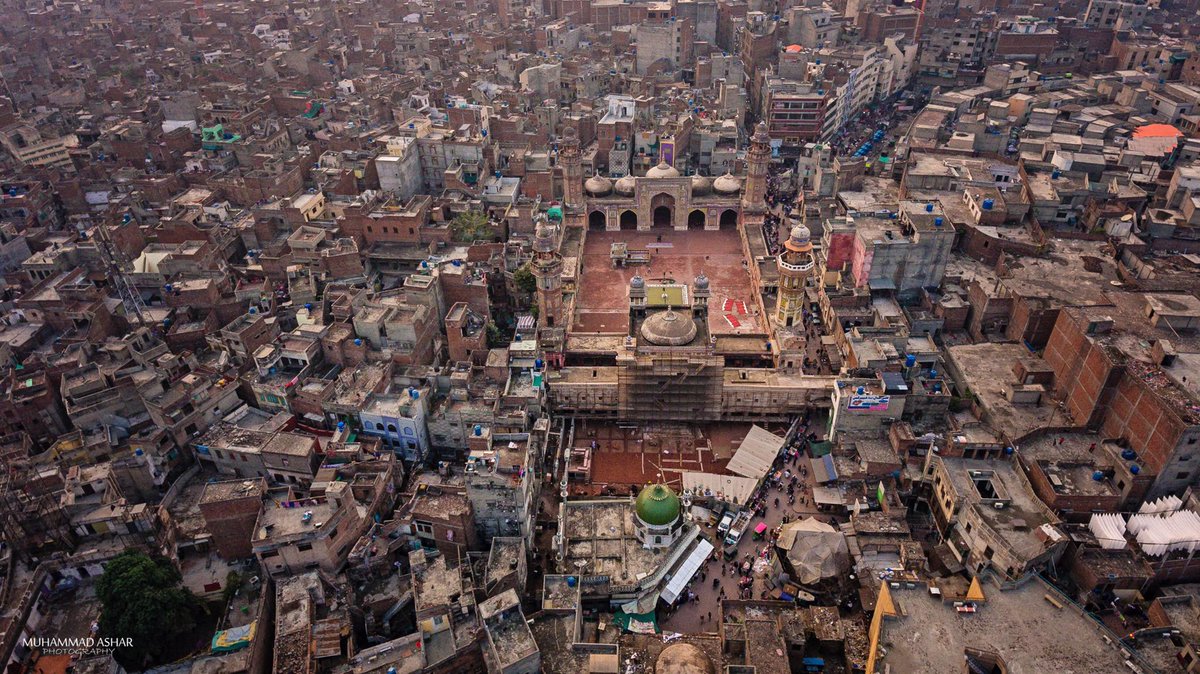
(470, 226)
(524, 280)
(495, 338)
(141, 598)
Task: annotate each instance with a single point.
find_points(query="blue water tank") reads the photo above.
(1134, 468)
(414, 394)
(937, 222)
(928, 208)
(538, 363)
(1128, 454)
(270, 370)
(861, 390)
(253, 311)
(1008, 451)
(456, 263)
(933, 373)
(910, 360)
(341, 425)
(358, 342)
(478, 430)
(1055, 174)
(571, 581)
(308, 305)
(1098, 475)
(988, 204)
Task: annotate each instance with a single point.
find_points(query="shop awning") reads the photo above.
(823, 469)
(687, 569)
(756, 453)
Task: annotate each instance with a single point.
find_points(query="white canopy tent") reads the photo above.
(756, 454)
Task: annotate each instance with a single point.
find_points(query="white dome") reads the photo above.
(727, 184)
(598, 186)
(663, 170)
(625, 186)
(700, 184)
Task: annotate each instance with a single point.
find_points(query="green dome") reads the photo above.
(657, 505)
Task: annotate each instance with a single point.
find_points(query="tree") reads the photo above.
(470, 226)
(524, 280)
(495, 338)
(141, 598)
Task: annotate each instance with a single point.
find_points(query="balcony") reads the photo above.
(797, 268)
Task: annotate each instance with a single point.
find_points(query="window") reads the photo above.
(424, 529)
(304, 547)
(391, 428)
(1182, 475)
(408, 430)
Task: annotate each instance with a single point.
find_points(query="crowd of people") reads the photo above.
(737, 572)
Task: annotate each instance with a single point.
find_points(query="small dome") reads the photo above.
(683, 659)
(727, 184)
(700, 184)
(637, 282)
(570, 134)
(598, 186)
(800, 233)
(669, 328)
(625, 186)
(657, 505)
(663, 170)
(701, 282)
(543, 238)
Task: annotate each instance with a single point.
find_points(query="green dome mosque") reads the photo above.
(657, 505)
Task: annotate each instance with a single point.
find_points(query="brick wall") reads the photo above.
(231, 524)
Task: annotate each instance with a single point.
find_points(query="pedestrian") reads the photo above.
(710, 616)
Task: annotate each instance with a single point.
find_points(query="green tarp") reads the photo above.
(234, 638)
(637, 623)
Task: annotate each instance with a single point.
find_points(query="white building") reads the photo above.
(399, 421)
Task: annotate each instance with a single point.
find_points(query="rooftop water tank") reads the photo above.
(910, 360)
(988, 204)
(928, 208)
(1134, 468)
(1098, 475)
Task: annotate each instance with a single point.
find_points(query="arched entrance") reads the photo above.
(597, 222)
(696, 219)
(628, 220)
(662, 208)
(729, 219)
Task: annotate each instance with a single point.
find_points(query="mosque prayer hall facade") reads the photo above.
(664, 316)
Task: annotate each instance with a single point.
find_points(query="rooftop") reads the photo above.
(1031, 635)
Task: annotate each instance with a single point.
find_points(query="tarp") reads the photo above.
(756, 453)
(726, 488)
(828, 496)
(815, 550)
(683, 575)
(823, 469)
(637, 623)
(234, 638)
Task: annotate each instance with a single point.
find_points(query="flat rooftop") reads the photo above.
(1029, 633)
(1017, 522)
(602, 302)
(986, 369)
(601, 542)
